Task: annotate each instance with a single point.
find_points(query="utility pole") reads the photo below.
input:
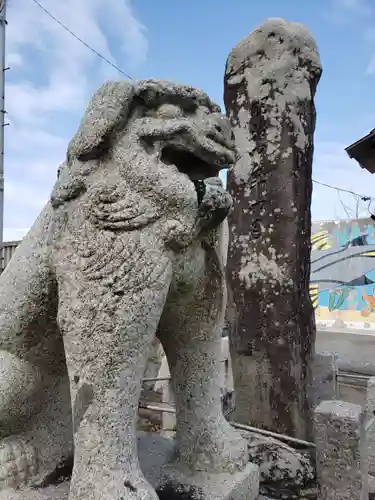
(3, 24)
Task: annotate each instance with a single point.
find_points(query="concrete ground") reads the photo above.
(356, 356)
(355, 349)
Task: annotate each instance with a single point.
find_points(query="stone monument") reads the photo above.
(270, 83)
(124, 250)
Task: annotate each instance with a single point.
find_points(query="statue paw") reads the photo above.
(18, 463)
(223, 450)
(215, 205)
(119, 486)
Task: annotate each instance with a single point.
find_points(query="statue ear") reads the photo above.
(108, 108)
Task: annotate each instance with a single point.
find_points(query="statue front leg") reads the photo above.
(191, 336)
(108, 326)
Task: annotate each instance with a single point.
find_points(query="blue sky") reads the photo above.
(53, 75)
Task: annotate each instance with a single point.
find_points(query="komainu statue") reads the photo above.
(123, 251)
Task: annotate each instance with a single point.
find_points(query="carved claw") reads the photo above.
(215, 206)
(231, 450)
(18, 463)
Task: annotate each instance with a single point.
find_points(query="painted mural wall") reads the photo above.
(342, 281)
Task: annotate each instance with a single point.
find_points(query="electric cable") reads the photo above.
(81, 40)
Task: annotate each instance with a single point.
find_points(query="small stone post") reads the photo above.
(269, 87)
(325, 370)
(370, 426)
(341, 453)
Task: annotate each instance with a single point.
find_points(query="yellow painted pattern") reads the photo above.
(369, 254)
(320, 240)
(314, 294)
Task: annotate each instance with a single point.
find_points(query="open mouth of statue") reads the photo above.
(198, 163)
(188, 163)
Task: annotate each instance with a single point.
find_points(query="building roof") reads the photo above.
(363, 151)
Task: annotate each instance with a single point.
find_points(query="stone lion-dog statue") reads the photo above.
(123, 251)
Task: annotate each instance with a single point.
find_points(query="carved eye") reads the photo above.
(204, 110)
(169, 111)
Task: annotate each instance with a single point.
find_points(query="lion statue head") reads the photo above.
(151, 143)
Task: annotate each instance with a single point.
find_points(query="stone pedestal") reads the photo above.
(155, 453)
(58, 492)
(341, 454)
(178, 484)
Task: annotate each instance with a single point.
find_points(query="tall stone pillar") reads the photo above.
(270, 83)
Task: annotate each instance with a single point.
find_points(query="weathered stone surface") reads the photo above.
(284, 472)
(225, 382)
(270, 82)
(153, 363)
(122, 247)
(173, 481)
(370, 426)
(58, 492)
(178, 484)
(324, 377)
(371, 487)
(341, 452)
(154, 453)
(309, 494)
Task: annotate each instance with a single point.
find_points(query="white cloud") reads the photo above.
(360, 14)
(333, 167)
(370, 39)
(14, 59)
(361, 7)
(345, 11)
(51, 79)
(370, 70)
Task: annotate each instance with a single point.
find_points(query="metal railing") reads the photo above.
(281, 437)
(7, 250)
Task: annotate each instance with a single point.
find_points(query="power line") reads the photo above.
(82, 41)
(363, 197)
(337, 189)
